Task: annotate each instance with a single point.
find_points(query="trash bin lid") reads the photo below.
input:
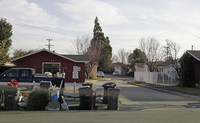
(109, 85)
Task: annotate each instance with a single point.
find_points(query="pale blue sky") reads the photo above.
(123, 21)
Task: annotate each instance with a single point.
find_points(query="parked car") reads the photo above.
(115, 73)
(100, 74)
(23, 75)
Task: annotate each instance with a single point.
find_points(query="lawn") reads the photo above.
(186, 90)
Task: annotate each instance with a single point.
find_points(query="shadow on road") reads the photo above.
(151, 106)
(145, 94)
(137, 99)
(192, 105)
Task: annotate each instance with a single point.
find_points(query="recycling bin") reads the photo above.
(55, 95)
(106, 86)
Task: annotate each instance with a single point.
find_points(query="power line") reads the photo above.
(49, 43)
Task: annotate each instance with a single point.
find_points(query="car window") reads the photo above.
(12, 73)
(25, 73)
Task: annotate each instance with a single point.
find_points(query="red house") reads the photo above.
(47, 61)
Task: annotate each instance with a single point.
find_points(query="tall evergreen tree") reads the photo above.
(106, 50)
(5, 40)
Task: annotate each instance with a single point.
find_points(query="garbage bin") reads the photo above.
(113, 95)
(87, 84)
(106, 87)
(11, 98)
(57, 82)
(45, 84)
(1, 99)
(87, 98)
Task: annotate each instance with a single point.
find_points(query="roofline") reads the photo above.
(188, 51)
(49, 52)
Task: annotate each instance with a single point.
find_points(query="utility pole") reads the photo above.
(49, 43)
(167, 53)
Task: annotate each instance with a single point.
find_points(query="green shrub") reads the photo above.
(38, 99)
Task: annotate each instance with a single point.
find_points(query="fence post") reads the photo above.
(163, 78)
(74, 90)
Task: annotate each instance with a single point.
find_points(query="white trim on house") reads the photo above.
(51, 63)
(48, 52)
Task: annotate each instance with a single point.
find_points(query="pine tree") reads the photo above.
(5, 40)
(106, 50)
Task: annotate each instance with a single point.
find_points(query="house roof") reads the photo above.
(195, 54)
(77, 57)
(74, 58)
(140, 65)
(8, 64)
(167, 63)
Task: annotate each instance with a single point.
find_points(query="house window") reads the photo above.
(51, 67)
(76, 69)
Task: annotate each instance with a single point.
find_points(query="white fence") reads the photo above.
(157, 77)
(149, 77)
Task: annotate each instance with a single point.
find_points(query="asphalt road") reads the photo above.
(136, 93)
(134, 98)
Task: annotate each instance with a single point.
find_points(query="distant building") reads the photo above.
(167, 66)
(93, 72)
(117, 68)
(141, 67)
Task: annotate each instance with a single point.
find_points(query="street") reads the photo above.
(137, 104)
(138, 98)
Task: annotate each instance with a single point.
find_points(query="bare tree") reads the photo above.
(81, 44)
(115, 59)
(94, 52)
(151, 47)
(171, 49)
(123, 56)
(21, 52)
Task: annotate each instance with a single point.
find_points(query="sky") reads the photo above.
(125, 22)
